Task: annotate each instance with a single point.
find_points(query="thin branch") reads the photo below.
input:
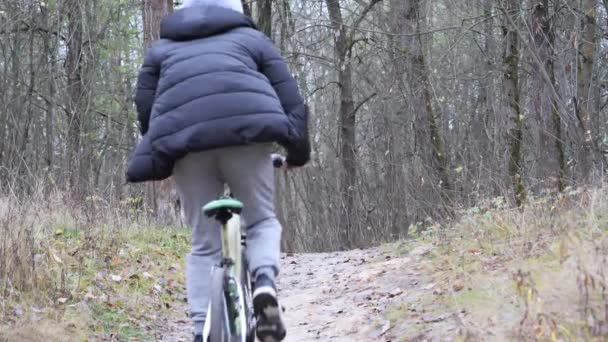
(362, 16)
(27, 27)
(364, 102)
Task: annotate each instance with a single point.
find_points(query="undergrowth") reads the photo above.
(533, 273)
(94, 272)
(87, 273)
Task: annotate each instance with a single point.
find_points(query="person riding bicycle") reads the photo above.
(212, 97)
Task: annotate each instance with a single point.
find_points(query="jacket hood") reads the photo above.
(235, 5)
(201, 22)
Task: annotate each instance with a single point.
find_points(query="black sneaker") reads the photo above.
(266, 307)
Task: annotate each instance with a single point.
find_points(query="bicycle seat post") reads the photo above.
(223, 216)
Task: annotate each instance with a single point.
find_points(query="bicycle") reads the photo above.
(230, 316)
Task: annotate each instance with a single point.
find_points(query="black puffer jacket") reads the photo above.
(214, 81)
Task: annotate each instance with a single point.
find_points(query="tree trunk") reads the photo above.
(75, 91)
(153, 12)
(265, 17)
(347, 148)
(246, 7)
(551, 164)
(162, 194)
(25, 161)
(512, 100)
(419, 67)
(50, 51)
(586, 55)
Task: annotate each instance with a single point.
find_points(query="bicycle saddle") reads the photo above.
(227, 204)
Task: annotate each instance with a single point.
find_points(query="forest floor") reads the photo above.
(495, 274)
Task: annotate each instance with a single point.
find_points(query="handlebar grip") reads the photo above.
(278, 161)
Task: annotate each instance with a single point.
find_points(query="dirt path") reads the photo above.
(340, 297)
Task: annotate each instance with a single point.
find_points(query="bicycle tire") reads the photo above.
(246, 285)
(218, 331)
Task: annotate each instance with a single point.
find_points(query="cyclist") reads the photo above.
(212, 96)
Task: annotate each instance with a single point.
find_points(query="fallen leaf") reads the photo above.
(116, 261)
(56, 258)
(458, 285)
(376, 333)
(395, 292)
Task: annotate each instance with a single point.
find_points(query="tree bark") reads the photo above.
(162, 194)
(246, 7)
(421, 77)
(153, 11)
(551, 163)
(347, 147)
(265, 16)
(50, 51)
(512, 101)
(586, 56)
(75, 91)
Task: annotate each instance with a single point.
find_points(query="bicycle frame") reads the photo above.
(232, 243)
(232, 263)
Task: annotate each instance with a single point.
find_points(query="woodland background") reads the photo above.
(420, 108)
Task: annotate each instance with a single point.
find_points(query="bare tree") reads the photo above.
(162, 194)
(551, 162)
(420, 78)
(265, 16)
(76, 107)
(343, 44)
(585, 63)
(153, 11)
(511, 100)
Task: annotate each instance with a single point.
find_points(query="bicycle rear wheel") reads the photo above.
(247, 302)
(219, 327)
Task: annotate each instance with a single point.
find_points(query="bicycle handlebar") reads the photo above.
(279, 161)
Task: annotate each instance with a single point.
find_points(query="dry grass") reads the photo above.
(539, 273)
(92, 271)
(85, 271)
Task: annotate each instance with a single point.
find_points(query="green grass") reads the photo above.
(116, 321)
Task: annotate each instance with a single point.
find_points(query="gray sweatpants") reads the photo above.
(200, 178)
